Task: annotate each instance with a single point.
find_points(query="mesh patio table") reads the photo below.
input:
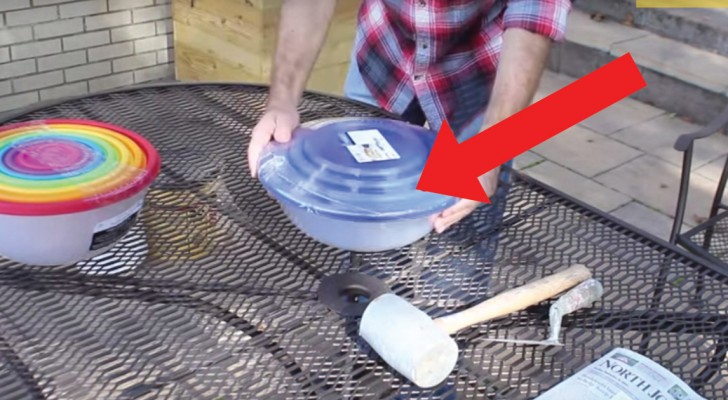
(213, 293)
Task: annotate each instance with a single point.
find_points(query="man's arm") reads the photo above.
(530, 28)
(523, 58)
(522, 61)
(301, 35)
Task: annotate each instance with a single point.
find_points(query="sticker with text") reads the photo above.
(370, 145)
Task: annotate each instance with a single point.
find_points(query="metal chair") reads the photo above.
(709, 239)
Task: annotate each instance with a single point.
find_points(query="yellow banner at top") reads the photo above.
(682, 3)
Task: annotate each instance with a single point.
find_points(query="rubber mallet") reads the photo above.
(422, 350)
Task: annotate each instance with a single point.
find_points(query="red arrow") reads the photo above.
(453, 169)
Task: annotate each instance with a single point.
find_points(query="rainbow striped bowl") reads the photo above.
(70, 189)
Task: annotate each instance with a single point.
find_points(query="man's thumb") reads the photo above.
(284, 129)
(282, 134)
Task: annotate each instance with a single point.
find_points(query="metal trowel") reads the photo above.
(581, 296)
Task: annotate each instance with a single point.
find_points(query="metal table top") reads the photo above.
(212, 295)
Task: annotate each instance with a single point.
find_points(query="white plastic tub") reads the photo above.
(338, 194)
(70, 189)
(361, 236)
(65, 239)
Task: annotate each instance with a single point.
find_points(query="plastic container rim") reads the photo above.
(140, 183)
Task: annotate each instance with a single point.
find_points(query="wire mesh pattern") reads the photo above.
(710, 239)
(212, 295)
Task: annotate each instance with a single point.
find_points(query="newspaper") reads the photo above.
(622, 375)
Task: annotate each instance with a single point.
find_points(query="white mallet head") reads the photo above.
(408, 340)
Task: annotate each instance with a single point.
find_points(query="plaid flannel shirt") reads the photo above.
(443, 52)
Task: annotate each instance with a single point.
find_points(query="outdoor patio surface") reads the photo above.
(622, 161)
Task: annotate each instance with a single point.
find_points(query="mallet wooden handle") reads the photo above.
(515, 299)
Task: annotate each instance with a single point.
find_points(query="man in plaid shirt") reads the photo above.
(473, 63)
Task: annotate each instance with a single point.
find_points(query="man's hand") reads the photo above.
(278, 124)
(462, 208)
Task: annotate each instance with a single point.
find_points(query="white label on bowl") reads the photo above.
(116, 220)
(369, 145)
(108, 232)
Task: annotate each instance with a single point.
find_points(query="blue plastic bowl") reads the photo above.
(363, 204)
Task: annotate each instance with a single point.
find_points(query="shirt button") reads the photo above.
(424, 45)
(422, 3)
(418, 77)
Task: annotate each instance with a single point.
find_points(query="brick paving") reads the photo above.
(622, 162)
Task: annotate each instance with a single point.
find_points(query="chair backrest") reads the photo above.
(685, 143)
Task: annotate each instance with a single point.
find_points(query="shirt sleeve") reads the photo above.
(544, 17)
